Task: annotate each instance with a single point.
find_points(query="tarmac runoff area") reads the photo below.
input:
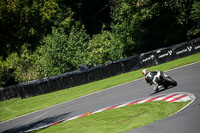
(171, 97)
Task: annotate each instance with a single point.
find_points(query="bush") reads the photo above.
(7, 69)
(104, 48)
(25, 67)
(64, 53)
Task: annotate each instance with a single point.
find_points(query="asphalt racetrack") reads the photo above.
(186, 121)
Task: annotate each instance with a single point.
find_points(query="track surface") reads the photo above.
(188, 79)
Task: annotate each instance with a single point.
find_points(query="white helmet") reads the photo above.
(144, 72)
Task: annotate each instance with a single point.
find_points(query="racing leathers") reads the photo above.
(153, 78)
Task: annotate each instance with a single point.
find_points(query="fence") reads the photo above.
(86, 75)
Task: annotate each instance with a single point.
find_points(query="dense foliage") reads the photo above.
(42, 38)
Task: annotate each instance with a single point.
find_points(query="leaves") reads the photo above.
(195, 16)
(65, 53)
(104, 48)
(147, 25)
(48, 10)
(41, 38)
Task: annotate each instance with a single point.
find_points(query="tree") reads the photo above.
(25, 67)
(195, 17)
(104, 48)
(144, 25)
(7, 68)
(25, 21)
(64, 53)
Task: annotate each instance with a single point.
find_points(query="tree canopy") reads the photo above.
(41, 38)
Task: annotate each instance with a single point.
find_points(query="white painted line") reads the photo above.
(166, 96)
(172, 98)
(34, 129)
(122, 105)
(187, 98)
(193, 98)
(99, 110)
(143, 101)
(75, 117)
(161, 98)
(34, 118)
(183, 66)
(94, 93)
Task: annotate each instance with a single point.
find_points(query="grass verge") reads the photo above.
(16, 107)
(118, 120)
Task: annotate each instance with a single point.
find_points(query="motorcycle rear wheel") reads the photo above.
(170, 82)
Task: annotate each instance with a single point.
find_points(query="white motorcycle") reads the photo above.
(161, 80)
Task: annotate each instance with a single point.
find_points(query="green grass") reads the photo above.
(17, 107)
(118, 120)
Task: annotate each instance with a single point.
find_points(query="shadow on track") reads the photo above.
(163, 89)
(49, 120)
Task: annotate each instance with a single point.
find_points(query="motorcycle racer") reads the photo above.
(153, 78)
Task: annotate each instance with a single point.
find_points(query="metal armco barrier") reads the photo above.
(86, 75)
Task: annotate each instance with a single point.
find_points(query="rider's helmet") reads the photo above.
(144, 72)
